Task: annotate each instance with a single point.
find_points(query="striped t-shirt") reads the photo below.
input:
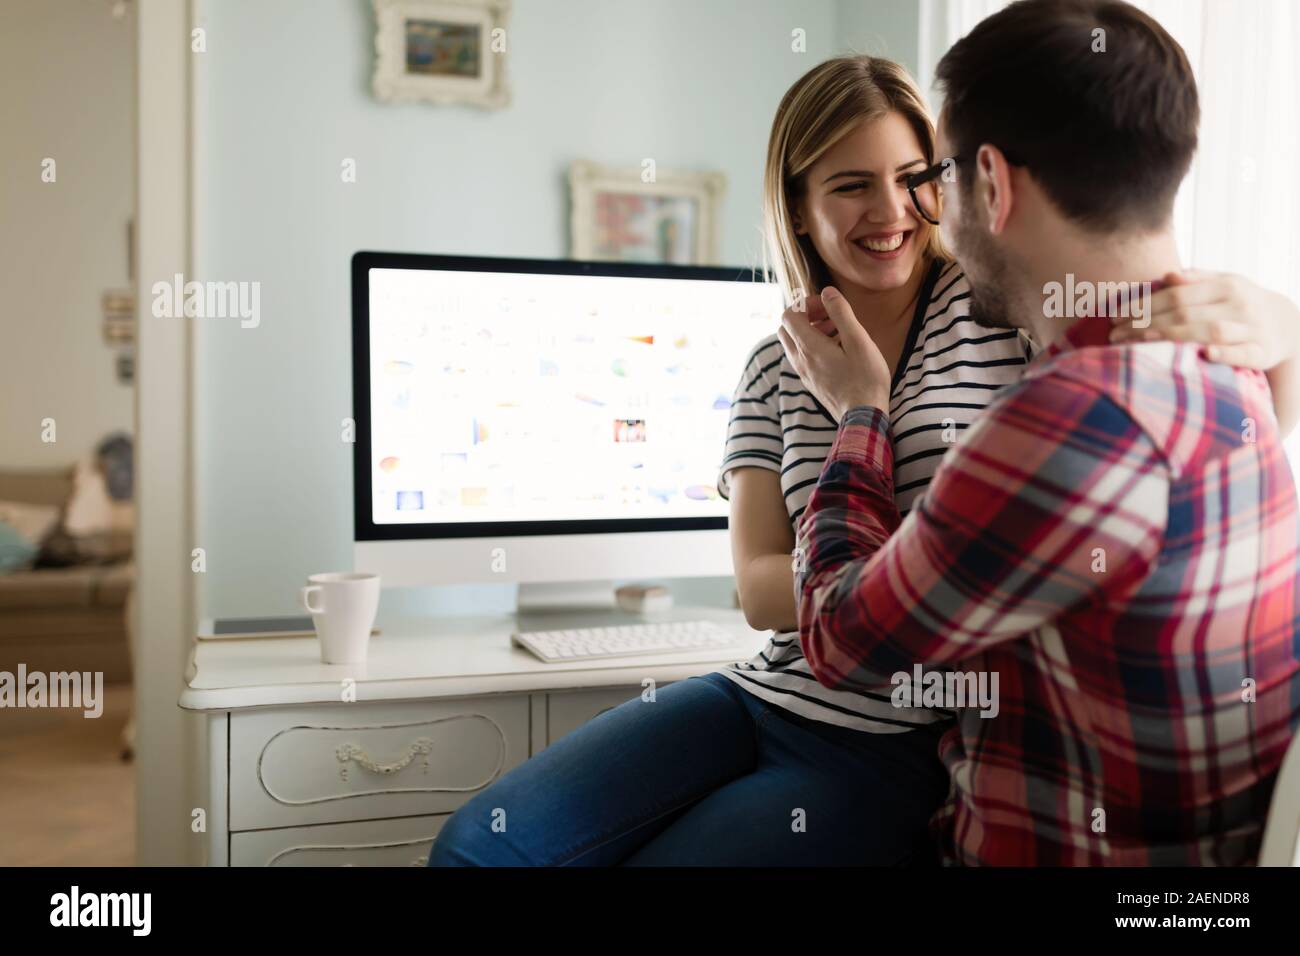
(950, 369)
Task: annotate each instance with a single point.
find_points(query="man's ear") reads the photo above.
(993, 187)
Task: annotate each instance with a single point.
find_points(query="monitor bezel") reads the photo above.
(364, 527)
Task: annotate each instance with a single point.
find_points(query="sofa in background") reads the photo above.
(63, 618)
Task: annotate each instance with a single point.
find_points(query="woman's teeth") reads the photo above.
(884, 245)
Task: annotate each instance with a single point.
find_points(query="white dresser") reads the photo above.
(312, 764)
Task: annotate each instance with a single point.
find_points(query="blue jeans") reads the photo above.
(708, 774)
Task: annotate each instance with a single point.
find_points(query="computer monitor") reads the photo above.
(540, 421)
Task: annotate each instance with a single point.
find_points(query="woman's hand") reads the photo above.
(818, 318)
(1238, 322)
(843, 371)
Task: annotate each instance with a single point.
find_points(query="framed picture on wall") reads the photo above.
(442, 51)
(616, 215)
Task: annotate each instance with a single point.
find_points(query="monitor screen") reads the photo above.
(532, 401)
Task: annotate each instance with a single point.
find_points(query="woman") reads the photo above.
(758, 764)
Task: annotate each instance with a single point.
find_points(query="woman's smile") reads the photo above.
(884, 246)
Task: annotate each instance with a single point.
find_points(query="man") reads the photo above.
(1116, 538)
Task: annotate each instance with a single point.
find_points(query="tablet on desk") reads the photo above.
(223, 628)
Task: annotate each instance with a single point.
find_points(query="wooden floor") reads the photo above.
(66, 796)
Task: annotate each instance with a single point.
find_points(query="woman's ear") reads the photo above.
(796, 219)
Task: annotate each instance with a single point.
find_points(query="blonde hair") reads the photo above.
(815, 114)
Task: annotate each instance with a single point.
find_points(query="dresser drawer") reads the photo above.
(339, 762)
(403, 842)
(566, 711)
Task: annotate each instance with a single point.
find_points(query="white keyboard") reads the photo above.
(625, 640)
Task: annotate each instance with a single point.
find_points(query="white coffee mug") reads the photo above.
(344, 612)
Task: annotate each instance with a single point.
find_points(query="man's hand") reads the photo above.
(842, 372)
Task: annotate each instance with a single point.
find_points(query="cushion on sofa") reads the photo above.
(16, 549)
(96, 528)
(63, 550)
(24, 527)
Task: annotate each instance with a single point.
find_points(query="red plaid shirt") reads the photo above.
(1116, 539)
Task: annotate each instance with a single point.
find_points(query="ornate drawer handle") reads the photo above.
(352, 848)
(351, 752)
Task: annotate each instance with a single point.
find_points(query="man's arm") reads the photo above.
(1053, 497)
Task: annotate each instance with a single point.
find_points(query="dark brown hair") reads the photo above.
(1108, 133)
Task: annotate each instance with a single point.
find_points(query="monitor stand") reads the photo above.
(558, 606)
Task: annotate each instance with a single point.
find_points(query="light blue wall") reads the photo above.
(888, 28)
(286, 98)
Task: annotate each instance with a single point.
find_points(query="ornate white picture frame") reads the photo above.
(644, 215)
(442, 51)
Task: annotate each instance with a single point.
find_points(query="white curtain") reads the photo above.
(1239, 208)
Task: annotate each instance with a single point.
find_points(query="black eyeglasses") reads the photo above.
(929, 201)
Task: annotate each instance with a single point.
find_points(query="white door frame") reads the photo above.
(169, 742)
